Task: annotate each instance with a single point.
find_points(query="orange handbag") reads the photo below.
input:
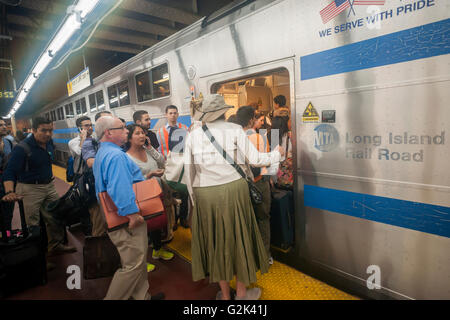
(148, 200)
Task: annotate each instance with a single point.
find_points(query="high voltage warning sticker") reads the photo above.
(310, 114)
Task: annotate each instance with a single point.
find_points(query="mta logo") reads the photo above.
(326, 138)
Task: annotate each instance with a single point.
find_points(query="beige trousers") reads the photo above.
(131, 280)
(36, 197)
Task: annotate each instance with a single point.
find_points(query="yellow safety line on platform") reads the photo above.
(280, 283)
(60, 173)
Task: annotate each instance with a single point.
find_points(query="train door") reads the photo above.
(258, 86)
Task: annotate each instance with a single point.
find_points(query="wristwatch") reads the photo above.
(8, 192)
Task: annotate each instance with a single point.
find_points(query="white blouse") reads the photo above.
(205, 166)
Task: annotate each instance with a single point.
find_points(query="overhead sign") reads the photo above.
(80, 82)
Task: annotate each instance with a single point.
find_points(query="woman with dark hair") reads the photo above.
(151, 164)
(280, 108)
(280, 124)
(246, 117)
(259, 121)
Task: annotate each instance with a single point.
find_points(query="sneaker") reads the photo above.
(271, 261)
(150, 267)
(163, 254)
(252, 294)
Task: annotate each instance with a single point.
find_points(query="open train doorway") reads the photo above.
(262, 91)
(257, 90)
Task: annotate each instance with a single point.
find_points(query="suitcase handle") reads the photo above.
(23, 223)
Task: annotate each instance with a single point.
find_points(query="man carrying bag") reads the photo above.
(115, 173)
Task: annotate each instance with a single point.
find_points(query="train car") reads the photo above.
(367, 85)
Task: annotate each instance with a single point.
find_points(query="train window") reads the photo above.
(96, 101)
(47, 116)
(78, 107)
(143, 87)
(153, 84)
(60, 113)
(124, 95)
(160, 77)
(112, 95)
(119, 95)
(53, 115)
(92, 103)
(58, 155)
(83, 106)
(100, 100)
(69, 110)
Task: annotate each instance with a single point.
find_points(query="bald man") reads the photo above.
(115, 172)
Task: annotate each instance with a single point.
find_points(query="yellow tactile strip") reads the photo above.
(280, 283)
(60, 173)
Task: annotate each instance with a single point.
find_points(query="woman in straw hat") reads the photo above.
(226, 241)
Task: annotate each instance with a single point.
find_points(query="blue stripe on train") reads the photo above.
(65, 130)
(65, 141)
(417, 43)
(401, 213)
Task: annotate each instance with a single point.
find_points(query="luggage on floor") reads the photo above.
(282, 219)
(22, 258)
(100, 257)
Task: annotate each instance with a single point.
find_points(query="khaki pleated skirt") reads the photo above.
(225, 237)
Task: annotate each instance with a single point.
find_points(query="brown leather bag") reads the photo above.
(100, 257)
(148, 200)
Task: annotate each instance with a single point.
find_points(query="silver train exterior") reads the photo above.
(368, 92)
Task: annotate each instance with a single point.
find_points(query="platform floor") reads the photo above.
(173, 277)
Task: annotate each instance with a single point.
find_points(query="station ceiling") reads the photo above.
(27, 26)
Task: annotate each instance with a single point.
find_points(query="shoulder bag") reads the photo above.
(255, 194)
(148, 200)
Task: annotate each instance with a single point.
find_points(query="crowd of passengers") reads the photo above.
(230, 234)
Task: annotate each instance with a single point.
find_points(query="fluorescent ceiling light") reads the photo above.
(21, 97)
(42, 63)
(29, 82)
(85, 6)
(64, 34)
(72, 23)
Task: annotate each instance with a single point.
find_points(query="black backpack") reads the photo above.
(80, 195)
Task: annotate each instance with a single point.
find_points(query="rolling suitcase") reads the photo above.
(282, 219)
(22, 258)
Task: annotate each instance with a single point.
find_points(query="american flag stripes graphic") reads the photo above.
(333, 9)
(337, 6)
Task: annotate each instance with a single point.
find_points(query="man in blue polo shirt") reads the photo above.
(30, 166)
(115, 173)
